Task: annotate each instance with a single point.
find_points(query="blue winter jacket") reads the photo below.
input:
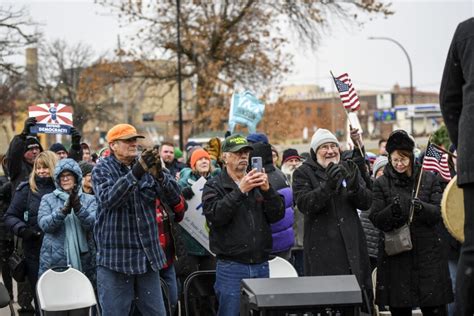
(51, 221)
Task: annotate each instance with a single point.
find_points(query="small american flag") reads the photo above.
(436, 161)
(348, 94)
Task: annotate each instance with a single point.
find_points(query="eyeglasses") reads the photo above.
(404, 161)
(326, 147)
(66, 176)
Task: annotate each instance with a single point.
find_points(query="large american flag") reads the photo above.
(348, 94)
(436, 161)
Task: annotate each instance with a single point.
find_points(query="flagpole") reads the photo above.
(359, 145)
(418, 184)
(421, 171)
(444, 150)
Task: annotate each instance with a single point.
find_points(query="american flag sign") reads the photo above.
(348, 94)
(52, 118)
(436, 161)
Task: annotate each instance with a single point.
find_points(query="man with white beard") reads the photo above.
(329, 192)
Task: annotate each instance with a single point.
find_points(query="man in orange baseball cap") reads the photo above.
(122, 132)
(129, 253)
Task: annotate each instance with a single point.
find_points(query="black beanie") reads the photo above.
(31, 142)
(399, 140)
(86, 168)
(57, 147)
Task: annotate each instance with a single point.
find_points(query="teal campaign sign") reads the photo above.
(246, 110)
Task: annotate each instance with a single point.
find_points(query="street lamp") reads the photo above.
(409, 66)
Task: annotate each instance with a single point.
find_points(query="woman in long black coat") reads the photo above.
(419, 277)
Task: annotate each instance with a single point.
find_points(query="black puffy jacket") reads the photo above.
(23, 211)
(240, 223)
(6, 237)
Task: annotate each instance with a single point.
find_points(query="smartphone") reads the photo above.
(257, 163)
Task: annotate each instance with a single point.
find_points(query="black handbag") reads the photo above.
(398, 240)
(17, 265)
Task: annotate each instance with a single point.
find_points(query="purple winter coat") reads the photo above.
(282, 231)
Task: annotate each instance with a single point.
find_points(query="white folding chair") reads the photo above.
(280, 268)
(62, 290)
(5, 300)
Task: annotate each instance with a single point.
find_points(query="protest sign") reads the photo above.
(52, 118)
(246, 110)
(194, 220)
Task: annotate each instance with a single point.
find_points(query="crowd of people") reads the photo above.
(116, 218)
(115, 215)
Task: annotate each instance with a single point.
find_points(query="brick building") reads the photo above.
(314, 108)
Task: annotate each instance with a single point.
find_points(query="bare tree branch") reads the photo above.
(15, 34)
(225, 43)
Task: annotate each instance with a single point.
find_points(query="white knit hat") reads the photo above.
(380, 162)
(322, 136)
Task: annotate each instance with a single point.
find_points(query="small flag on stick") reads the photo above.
(436, 161)
(348, 94)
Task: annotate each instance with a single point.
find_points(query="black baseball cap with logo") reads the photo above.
(235, 143)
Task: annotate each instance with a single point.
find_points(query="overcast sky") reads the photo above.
(424, 28)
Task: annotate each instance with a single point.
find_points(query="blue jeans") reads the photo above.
(169, 276)
(227, 287)
(116, 292)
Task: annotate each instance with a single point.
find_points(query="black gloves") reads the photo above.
(350, 174)
(187, 193)
(396, 208)
(333, 171)
(29, 234)
(157, 169)
(417, 205)
(75, 137)
(30, 122)
(67, 207)
(75, 201)
(144, 163)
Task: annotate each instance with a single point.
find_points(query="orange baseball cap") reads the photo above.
(121, 132)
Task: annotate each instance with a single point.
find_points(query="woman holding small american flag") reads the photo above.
(418, 277)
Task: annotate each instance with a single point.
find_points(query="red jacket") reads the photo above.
(164, 227)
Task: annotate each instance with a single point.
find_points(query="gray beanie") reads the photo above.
(322, 136)
(380, 162)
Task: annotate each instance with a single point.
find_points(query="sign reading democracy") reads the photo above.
(194, 220)
(52, 118)
(246, 110)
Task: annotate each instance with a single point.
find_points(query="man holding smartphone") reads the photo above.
(239, 219)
